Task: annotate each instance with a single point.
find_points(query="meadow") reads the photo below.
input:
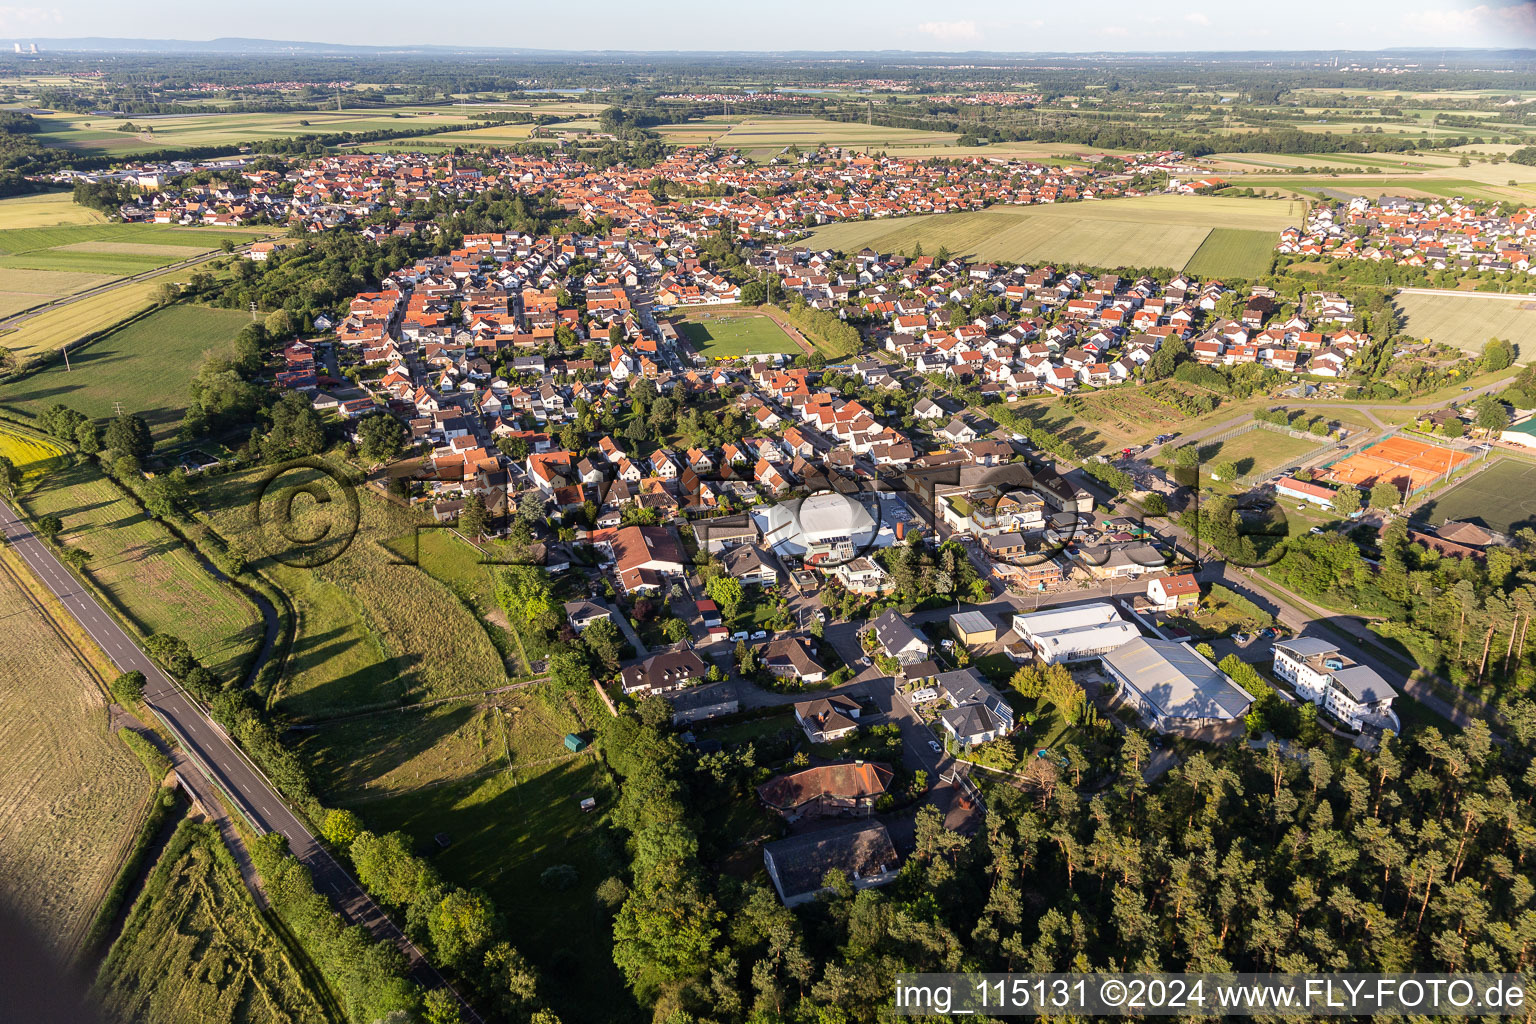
(115, 249)
(1147, 231)
(766, 134)
(1233, 252)
(71, 794)
(1501, 497)
(1468, 321)
(45, 209)
(716, 336)
(146, 573)
(145, 365)
(1257, 451)
(195, 948)
(494, 778)
(372, 630)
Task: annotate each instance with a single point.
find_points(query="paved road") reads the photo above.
(241, 782)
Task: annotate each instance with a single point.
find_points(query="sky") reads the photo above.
(976, 25)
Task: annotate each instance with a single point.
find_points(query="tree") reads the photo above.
(1186, 457)
(1154, 504)
(510, 979)
(1498, 354)
(340, 828)
(1491, 414)
(525, 594)
(753, 293)
(1454, 427)
(128, 688)
(279, 324)
(1346, 500)
(441, 1007)
(726, 592)
(604, 642)
(10, 477)
(1225, 471)
(163, 494)
(1384, 494)
(474, 519)
(675, 630)
(87, 437)
(48, 527)
(129, 435)
(461, 925)
(380, 438)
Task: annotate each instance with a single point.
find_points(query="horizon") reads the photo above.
(904, 26)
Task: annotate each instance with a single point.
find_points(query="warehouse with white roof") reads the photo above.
(1175, 688)
(1074, 633)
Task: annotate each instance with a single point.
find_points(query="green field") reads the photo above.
(1468, 320)
(715, 336)
(45, 210)
(493, 775)
(60, 325)
(1165, 231)
(145, 365)
(1501, 497)
(1258, 451)
(26, 289)
(115, 249)
(147, 574)
(372, 632)
(195, 948)
(1233, 252)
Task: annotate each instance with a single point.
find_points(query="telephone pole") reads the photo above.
(65, 349)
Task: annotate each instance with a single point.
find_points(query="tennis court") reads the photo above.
(1403, 462)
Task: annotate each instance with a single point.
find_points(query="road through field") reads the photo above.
(216, 754)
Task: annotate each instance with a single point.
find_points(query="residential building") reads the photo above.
(1167, 593)
(862, 851)
(662, 673)
(830, 718)
(1353, 693)
(898, 640)
(847, 790)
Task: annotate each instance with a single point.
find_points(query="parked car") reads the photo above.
(1316, 529)
(1241, 638)
(761, 634)
(742, 635)
(933, 745)
(1269, 633)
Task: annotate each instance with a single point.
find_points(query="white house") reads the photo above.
(1355, 694)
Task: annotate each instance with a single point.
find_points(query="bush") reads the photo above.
(559, 877)
(156, 763)
(128, 689)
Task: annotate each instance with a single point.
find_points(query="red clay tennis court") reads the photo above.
(1403, 462)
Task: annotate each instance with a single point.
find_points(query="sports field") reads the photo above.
(1501, 497)
(1403, 462)
(145, 365)
(70, 792)
(716, 336)
(1147, 231)
(1468, 320)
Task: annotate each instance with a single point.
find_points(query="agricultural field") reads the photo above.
(45, 210)
(1501, 497)
(717, 336)
(145, 365)
(118, 250)
(1468, 321)
(103, 135)
(195, 947)
(59, 326)
(770, 134)
(1233, 252)
(71, 794)
(146, 573)
(1148, 231)
(26, 289)
(494, 778)
(372, 629)
(32, 455)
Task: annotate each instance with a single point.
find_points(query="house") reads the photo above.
(644, 556)
(972, 628)
(717, 535)
(1074, 632)
(862, 576)
(662, 673)
(827, 719)
(898, 640)
(957, 431)
(1169, 592)
(1354, 694)
(702, 703)
(581, 614)
(976, 713)
(927, 409)
(1304, 490)
(847, 790)
(1175, 688)
(789, 658)
(862, 851)
(752, 565)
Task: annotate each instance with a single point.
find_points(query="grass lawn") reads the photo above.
(373, 630)
(1233, 252)
(446, 771)
(1145, 231)
(716, 336)
(1258, 451)
(145, 365)
(1501, 497)
(1468, 321)
(146, 572)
